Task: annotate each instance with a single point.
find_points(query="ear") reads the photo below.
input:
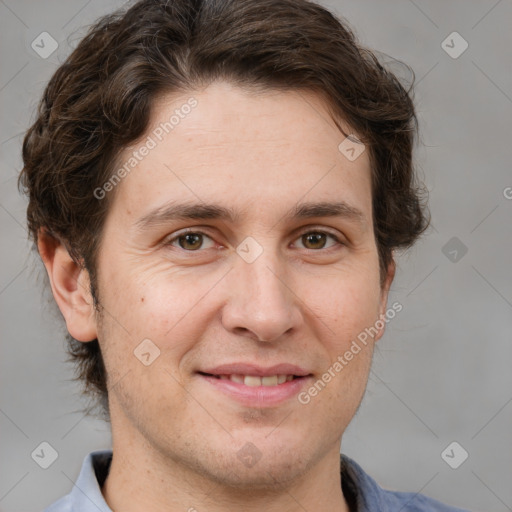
(70, 286)
(390, 275)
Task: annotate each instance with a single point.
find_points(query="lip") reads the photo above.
(258, 371)
(258, 396)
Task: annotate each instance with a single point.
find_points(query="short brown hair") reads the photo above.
(99, 100)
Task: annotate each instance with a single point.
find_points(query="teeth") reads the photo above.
(249, 380)
(253, 380)
(269, 381)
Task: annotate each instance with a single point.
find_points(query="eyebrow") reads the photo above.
(203, 211)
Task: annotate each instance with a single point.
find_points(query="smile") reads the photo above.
(254, 380)
(257, 391)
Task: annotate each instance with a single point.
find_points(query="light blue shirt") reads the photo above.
(362, 493)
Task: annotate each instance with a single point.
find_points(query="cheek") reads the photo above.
(345, 311)
(158, 303)
(346, 303)
(145, 296)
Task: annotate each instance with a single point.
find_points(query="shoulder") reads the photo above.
(415, 502)
(370, 496)
(85, 494)
(64, 504)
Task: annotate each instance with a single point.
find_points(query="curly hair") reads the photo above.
(99, 101)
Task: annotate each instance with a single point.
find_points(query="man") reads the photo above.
(216, 190)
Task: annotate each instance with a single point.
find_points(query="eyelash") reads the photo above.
(192, 231)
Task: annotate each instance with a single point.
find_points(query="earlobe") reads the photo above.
(70, 287)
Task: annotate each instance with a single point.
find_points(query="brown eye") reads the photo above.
(191, 241)
(315, 240)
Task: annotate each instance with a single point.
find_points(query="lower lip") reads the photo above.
(258, 396)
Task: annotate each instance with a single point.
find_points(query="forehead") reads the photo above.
(266, 150)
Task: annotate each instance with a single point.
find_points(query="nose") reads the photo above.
(261, 303)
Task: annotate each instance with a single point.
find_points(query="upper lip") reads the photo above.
(259, 371)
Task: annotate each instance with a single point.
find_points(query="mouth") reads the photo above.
(256, 391)
(255, 380)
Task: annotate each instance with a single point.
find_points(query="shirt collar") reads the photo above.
(86, 493)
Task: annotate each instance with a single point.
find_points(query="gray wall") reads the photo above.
(442, 371)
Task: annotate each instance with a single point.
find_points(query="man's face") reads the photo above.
(291, 294)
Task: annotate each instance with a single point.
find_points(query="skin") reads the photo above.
(175, 437)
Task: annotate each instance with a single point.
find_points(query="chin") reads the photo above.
(265, 459)
(268, 473)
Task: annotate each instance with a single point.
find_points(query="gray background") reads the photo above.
(442, 371)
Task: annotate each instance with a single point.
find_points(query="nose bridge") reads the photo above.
(265, 278)
(260, 299)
